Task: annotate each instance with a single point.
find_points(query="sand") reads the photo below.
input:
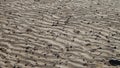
(59, 33)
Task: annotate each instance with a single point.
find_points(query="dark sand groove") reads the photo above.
(59, 33)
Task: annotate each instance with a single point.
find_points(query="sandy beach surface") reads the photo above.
(59, 33)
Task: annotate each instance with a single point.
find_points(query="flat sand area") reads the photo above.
(59, 33)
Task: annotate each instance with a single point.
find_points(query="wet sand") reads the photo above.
(59, 33)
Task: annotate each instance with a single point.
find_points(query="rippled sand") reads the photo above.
(59, 33)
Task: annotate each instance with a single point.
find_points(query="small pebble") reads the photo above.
(114, 62)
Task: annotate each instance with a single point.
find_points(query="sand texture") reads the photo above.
(59, 33)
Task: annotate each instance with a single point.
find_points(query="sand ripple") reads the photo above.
(59, 33)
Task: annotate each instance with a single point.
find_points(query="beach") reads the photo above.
(59, 33)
